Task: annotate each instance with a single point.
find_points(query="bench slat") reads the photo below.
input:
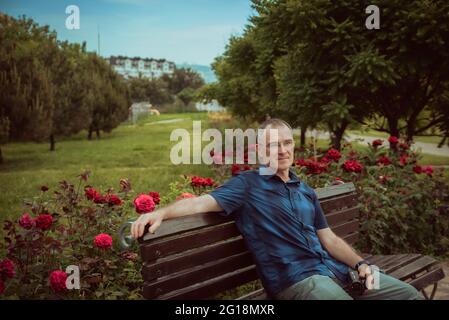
(193, 258)
(428, 279)
(343, 215)
(197, 274)
(415, 267)
(158, 248)
(346, 228)
(211, 287)
(343, 201)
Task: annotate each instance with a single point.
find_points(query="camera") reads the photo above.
(357, 284)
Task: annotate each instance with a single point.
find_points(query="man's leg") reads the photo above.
(316, 287)
(391, 289)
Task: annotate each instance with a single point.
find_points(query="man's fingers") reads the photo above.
(154, 226)
(369, 283)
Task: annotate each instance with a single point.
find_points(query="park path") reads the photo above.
(429, 148)
(443, 286)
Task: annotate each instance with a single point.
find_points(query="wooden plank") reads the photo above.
(186, 223)
(198, 274)
(158, 248)
(351, 238)
(258, 294)
(337, 203)
(343, 215)
(346, 228)
(398, 263)
(211, 287)
(333, 191)
(191, 258)
(428, 279)
(421, 264)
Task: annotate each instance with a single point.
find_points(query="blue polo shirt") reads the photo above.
(278, 221)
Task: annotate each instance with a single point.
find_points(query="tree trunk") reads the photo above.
(1, 155)
(89, 135)
(439, 144)
(303, 137)
(394, 131)
(98, 133)
(337, 135)
(52, 142)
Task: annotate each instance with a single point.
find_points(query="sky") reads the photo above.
(182, 31)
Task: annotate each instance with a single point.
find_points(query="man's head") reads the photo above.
(280, 146)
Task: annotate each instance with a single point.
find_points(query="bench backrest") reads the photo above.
(198, 256)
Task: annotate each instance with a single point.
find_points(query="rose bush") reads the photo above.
(71, 226)
(404, 206)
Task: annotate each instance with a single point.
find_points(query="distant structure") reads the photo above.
(138, 109)
(146, 67)
(213, 106)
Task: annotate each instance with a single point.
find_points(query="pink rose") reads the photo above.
(156, 196)
(44, 221)
(144, 203)
(7, 269)
(57, 280)
(103, 241)
(26, 221)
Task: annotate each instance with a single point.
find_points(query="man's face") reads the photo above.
(284, 144)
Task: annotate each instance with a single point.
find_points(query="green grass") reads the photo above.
(384, 135)
(138, 152)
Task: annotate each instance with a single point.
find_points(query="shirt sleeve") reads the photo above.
(231, 195)
(320, 219)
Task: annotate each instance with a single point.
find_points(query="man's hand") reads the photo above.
(365, 272)
(153, 218)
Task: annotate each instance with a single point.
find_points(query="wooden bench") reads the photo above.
(198, 256)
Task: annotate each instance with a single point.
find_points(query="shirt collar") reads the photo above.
(293, 177)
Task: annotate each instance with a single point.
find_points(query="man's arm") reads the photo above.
(184, 207)
(343, 252)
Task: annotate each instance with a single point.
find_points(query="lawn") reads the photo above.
(139, 152)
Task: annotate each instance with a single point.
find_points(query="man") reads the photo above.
(297, 255)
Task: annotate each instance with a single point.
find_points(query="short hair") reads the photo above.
(275, 123)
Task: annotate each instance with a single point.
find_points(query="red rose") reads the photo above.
(383, 160)
(7, 269)
(352, 166)
(417, 169)
(44, 221)
(58, 280)
(333, 154)
(156, 196)
(428, 170)
(91, 193)
(26, 221)
(301, 162)
(103, 241)
(144, 203)
(113, 200)
(2, 287)
(44, 188)
(377, 142)
(185, 195)
(201, 182)
(393, 140)
(325, 159)
(404, 146)
(100, 199)
(403, 159)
